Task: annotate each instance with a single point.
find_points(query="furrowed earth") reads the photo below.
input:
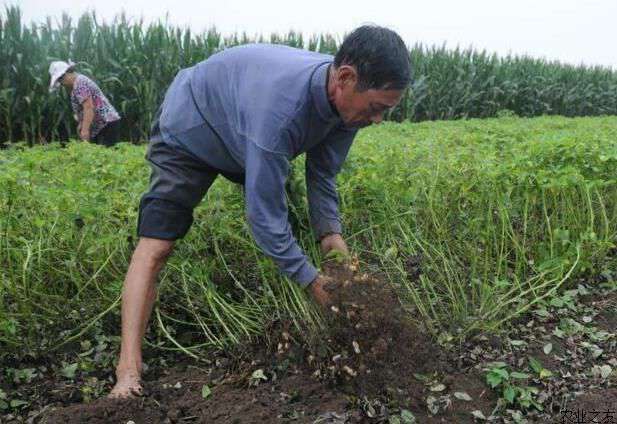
(375, 365)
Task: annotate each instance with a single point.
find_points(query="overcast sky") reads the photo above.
(574, 31)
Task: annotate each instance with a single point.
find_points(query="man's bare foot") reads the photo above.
(128, 384)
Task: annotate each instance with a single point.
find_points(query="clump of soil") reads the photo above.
(375, 348)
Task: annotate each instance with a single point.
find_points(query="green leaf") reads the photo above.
(69, 370)
(496, 376)
(259, 375)
(9, 327)
(493, 380)
(502, 373)
(509, 394)
(391, 252)
(478, 414)
(462, 396)
(519, 375)
(407, 417)
(25, 375)
(535, 364)
(16, 403)
(421, 377)
(605, 371)
(557, 302)
(439, 387)
(205, 391)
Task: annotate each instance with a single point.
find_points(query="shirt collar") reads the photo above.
(319, 93)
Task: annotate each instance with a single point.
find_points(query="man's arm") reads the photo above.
(323, 163)
(267, 213)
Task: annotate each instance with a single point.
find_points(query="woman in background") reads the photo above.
(97, 120)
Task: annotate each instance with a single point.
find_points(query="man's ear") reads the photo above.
(347, 75)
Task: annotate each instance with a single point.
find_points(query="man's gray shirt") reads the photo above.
(251, 109)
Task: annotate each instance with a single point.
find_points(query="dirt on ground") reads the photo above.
(599, 406)
(374, 365)
(607, 318)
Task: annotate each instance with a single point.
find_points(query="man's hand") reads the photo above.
(334, 242)
(319, 292)
(331, 242)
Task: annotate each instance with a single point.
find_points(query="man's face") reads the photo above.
(361, 108)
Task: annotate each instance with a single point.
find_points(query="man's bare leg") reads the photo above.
(138, 296)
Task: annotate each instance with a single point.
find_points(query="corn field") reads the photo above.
(134, 63)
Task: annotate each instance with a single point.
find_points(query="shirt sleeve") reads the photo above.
(267, 213)
(323, 163)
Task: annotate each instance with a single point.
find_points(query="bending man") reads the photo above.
(245, 113)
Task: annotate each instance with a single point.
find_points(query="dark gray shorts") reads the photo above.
(178, 182)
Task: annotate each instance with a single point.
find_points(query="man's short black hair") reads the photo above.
(379, 55)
